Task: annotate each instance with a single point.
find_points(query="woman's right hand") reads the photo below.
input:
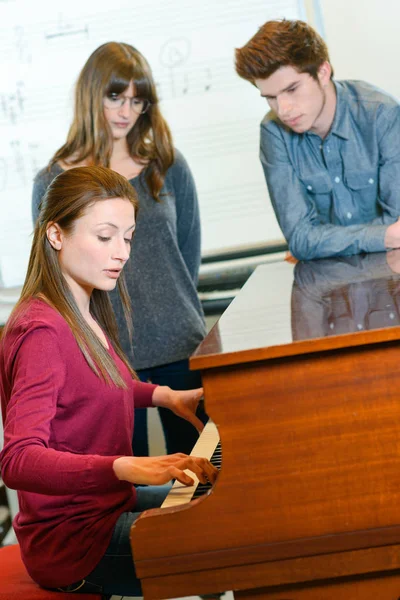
(157, 470)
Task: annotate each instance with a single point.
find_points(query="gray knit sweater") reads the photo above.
(162, 272)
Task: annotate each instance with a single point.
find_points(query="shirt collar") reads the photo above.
(341, 122)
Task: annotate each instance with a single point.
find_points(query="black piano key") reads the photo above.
(216, 460)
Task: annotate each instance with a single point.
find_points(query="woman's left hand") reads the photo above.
(183, 403)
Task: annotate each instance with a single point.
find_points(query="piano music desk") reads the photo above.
(307, 503)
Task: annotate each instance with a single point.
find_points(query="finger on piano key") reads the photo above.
(207, 444)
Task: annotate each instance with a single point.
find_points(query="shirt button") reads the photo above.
(337, 179)
(309, 187)
(359, 326)
(349, 215)
(370, 180)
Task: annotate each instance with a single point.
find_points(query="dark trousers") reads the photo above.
(180, 436)
(115, 573)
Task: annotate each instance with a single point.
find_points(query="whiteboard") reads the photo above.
(213, 114)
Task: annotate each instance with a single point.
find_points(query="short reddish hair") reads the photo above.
(280, 44)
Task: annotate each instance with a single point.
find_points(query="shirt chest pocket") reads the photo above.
(361, 180)
(363, 186)
(319, 190)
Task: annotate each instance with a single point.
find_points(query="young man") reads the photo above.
(330, 149)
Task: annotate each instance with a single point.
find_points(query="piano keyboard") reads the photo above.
(207, 446)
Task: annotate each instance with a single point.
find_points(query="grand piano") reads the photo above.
(301, 378)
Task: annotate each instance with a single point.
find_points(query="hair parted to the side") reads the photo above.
(67, 198)
(278, 44)
(109, 70)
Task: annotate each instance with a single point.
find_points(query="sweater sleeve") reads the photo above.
(28, 462)
(188, 216)
(143, 393)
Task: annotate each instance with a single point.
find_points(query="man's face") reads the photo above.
(297, 98)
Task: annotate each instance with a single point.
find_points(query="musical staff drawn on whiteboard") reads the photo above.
(18, 108)
(213, 116)
(66, 28)
(222, 139)
(19, 165)
(224, 205)
(177, 82)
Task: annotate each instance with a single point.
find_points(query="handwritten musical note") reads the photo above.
(207, 85)
(3, 173)
(19, 160)
(175, 52)
(13, 104)
(33, 157)
(24, 52)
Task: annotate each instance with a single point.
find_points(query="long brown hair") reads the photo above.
(65, 201)
(109, 70)
(279, 44)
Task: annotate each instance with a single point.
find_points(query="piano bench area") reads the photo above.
(15, 583)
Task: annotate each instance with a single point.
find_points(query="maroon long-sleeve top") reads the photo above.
(63, 429)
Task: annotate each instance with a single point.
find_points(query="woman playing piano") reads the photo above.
(118, 124)
(68, 395)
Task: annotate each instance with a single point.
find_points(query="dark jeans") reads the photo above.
(115, 573)
(180, 436)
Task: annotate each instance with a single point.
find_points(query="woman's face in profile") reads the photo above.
(93, 255)
(121, 112)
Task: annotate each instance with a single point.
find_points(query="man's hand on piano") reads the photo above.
(183, 403)
(393, 260)
(157, 470)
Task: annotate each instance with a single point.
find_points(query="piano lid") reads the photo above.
(313, 306)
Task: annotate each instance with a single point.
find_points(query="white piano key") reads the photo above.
(205, 446)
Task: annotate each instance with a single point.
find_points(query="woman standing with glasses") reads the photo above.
(118, 124)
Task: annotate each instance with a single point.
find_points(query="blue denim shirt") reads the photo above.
(337, 196)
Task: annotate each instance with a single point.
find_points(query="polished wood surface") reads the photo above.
(259, 322)
(309, 419)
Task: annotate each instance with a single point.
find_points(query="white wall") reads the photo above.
(363, 37)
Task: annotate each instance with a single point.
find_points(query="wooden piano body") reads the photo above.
(307, 503)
